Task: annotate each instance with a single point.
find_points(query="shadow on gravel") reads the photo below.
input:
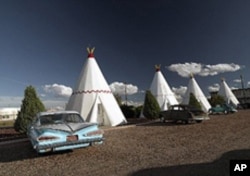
(219, 167)
(159, 123)
(21, 151)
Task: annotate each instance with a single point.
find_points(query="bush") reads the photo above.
(128, 111)
(216, 99)
(138, 110)
(151, 107)
(194, 102)
(31, 105)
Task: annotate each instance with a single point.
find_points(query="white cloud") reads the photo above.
(133, 103)
(58, 90)
(233, 88)
(179, 92)
(186, 69)
(237, 80)
(248, 83)
(54, 104)
(214, 88)
(57, 108)
(119, 88)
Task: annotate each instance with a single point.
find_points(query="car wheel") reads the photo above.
(225, 112)
(186, 122)
(198, 121)
(162, 119)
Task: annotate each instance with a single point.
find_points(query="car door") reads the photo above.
(179, 113)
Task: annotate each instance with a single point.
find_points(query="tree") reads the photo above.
(217, 100)
(138, 110)
(128, 111)
(31, 105)
(151, 107)
(194, 102)
(118, 99)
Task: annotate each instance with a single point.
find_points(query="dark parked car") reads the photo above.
(183, 113)
(224, 108)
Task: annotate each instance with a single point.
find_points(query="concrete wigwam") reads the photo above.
(92, 96)
(161, 90)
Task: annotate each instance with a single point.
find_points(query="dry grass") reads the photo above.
(7, 123)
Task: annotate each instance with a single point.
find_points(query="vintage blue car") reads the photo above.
(62, 130)
(222, 109)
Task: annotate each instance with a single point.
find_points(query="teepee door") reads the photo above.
(100, 114)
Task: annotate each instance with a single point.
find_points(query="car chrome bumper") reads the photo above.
(68, 144)
(201, 118)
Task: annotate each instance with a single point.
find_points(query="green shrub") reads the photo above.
(194, 102)
(151, 107)
(216, 99)
(128, 111)
(138, 110)
(31, 105)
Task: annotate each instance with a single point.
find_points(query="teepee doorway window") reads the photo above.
(100, 114)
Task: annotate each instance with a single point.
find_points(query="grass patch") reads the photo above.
(8, 123)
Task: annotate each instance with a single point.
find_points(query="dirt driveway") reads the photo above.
(149, 149)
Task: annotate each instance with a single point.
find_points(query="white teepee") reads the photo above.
(92, 97)
(161, 90)
(194, 88)
(228, 95)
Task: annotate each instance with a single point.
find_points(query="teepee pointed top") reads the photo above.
(157, 68)
(91, 52)
(191, 75)
(222, 79)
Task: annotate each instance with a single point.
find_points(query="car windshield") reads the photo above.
(60, 118)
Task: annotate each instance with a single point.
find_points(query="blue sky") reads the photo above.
(43, 43)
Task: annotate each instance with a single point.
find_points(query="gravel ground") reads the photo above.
(149, 149)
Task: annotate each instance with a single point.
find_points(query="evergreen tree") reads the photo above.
(128, 111)
(151, 107)
(194, 102)
(138, 110)
(118, 99)
(31, 105)
(217, 100)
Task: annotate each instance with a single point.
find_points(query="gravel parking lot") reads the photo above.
(148, 149)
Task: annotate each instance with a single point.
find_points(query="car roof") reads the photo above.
(180, 105)
(57, 112)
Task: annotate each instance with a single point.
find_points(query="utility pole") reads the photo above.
(243, 91)
(126, 98)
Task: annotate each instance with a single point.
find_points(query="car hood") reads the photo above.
(68, 127)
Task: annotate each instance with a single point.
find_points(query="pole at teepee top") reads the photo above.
(157, 67)
(90, 52)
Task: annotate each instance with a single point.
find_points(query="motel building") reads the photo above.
(9, 113)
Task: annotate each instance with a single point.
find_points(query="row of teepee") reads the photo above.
(93, 99)
(165, 97)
